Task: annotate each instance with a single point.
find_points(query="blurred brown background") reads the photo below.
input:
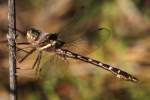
(128, 47)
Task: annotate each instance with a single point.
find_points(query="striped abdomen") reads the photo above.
(119, 73)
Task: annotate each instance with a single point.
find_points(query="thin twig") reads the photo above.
(11, 36)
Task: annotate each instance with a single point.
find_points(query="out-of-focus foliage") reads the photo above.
(128, 47)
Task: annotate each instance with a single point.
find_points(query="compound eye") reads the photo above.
(32, 35)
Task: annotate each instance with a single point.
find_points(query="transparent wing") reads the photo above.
(53, 67)
(89, 41)
(82, 30)
(45, 64)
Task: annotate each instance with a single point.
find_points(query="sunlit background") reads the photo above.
(125, 43)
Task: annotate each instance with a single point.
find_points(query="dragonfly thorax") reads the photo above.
(56, 43)
(59, 44)
(49, 41)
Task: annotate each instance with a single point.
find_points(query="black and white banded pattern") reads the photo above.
(119, 73)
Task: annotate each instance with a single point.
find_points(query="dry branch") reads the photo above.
(12, 49)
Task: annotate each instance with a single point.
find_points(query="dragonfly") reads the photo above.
(51, 42)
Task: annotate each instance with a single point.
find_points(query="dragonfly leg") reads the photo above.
(19, 50)
(23, 43)
(27, 55)
(38, 68)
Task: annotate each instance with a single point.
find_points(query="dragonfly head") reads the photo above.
(33, 34)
